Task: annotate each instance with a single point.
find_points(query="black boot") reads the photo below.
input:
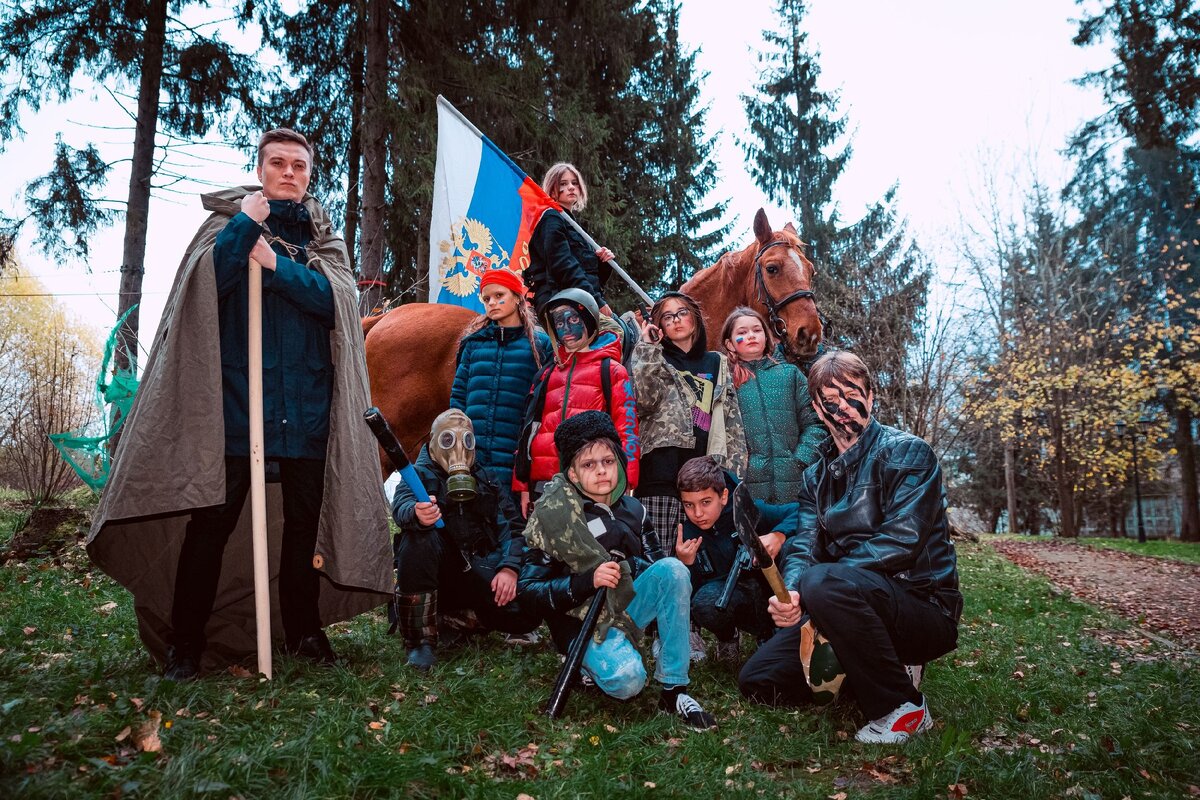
(315, 647)
(183, 662)
(417, 615)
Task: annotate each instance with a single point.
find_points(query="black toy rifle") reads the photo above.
(574, 661)
(741, 561)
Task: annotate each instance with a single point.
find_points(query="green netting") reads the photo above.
(87, 449)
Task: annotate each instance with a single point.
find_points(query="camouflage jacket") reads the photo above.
(664, 407)
(557, 527)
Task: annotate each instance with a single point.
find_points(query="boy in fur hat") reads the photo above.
(582, 520)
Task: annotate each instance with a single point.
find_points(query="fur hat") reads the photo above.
(579, 430)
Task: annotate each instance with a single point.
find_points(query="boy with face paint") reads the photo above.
(473, 561)
(587, 376)
(871, 564)
(586, 533)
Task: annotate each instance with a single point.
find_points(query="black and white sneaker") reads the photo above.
(679, 702)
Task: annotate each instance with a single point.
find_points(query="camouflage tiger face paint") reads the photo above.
(845, 408)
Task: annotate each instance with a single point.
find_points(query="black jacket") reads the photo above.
(720, 543)
(559, 258)
(478, 527)
(880, 506)
(549, 585)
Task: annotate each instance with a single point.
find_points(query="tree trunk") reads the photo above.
(354, 151)
(1189, 529)
(137, 213)
(1010, 484)
(374, 152)
(1063, 476)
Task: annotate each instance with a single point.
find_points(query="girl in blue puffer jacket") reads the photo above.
(499, 356)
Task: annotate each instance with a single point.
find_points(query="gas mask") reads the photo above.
(452, 447)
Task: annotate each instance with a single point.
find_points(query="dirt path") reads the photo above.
(1160, 594)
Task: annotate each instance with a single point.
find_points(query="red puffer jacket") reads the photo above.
(574, 385)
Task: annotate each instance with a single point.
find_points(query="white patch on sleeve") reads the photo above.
(597, 527)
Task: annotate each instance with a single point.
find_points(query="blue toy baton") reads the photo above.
(395, 454)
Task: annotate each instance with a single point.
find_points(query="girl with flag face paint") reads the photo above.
(783, 431)
(499, 356)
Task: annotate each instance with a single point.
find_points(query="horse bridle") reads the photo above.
(774, 306)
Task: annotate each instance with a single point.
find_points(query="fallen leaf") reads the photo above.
(610, 728)
(430, 699)
(137, 702)
(29, 630)
(124, 734)
(107, 608)
(146, 736)
(375, 726)
(956, 791)
(838, 796)
(238, 671)
(650, 785)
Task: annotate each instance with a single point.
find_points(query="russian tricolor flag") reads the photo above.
(484, 210)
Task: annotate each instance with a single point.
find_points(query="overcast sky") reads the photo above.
(935, 91)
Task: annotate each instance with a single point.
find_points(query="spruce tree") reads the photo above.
(871, 280)
(690, 236)
(186, 79)
(1154, 120)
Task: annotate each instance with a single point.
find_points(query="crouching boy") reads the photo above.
(708, 543)
(473, 561)
(581, 522)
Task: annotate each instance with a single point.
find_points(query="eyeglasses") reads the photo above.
(678, 316)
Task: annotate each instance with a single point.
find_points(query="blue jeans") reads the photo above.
(663, 593)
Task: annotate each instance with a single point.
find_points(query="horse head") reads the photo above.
(780, 281)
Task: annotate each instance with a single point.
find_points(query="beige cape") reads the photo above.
(170, 460)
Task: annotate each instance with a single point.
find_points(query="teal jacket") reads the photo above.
(782, 430)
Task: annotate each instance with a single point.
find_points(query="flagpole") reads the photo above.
(258, 483)
(617, 268)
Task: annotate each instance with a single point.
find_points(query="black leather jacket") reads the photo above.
(879, 506)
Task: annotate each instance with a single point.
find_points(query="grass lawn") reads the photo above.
(1163, 548)
(1040, 700)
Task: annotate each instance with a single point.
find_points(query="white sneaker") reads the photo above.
(914, 674)
(697, 649)
(897, 727)
(687, 709)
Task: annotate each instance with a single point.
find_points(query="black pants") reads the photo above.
(875, 624)
(430, 561)
(747, 609)
(199, 570)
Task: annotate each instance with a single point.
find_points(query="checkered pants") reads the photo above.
(665, 513)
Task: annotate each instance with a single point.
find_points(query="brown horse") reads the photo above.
(410, 349)
(772, 276)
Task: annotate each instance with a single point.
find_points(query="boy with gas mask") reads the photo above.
(473, 561)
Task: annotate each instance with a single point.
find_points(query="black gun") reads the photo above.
(570, 668)
(741, 561)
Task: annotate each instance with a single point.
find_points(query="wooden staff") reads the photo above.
(258, 477)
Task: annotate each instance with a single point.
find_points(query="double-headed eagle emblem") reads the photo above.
(468, 255)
